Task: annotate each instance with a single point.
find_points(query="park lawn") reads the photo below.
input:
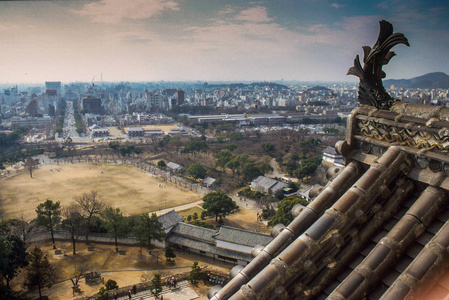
(121, 186)
(191, 211)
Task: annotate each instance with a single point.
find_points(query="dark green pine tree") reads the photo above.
(40, 273)
(149, 229)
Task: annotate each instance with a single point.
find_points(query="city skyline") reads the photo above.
(211, 40)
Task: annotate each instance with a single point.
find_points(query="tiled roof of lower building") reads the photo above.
(242, 237)
(170, 219)
(194, 232)
(208, 248)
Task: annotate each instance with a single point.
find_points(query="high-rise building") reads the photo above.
(179, 97)
(92, 105)
(53, 88)
(31, 108)
(154, 100)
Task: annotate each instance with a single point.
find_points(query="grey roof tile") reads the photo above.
(194, 232)
(170, 219)
(403, 263)
(206, 247)
(413, 250)
(390, 277)
(424, 238)
(242, 237)
(265, 182)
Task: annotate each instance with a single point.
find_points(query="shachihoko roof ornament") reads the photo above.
(371, 89)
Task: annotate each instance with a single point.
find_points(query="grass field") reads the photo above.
(119, 186)
(191, 211)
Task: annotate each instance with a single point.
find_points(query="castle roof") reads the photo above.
(378, 230)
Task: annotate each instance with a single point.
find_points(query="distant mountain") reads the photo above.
(272, 85)
(319, 88)
(428, 81)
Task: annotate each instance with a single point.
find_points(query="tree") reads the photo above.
(149, 229)
(223, 157)
(90, 205)
(165, 140)
(156, 285)
(124, 151)
(116, 224)
(169, 254)
(40, 273)
(111, 284)
(73, 222)
(264, 168)
(236, 136)
(68, 143)
(184, 120)
(114, 145)
(20, 228)
(30, 164)
(231, 147)
(103, 293)
(218, 204)
(197, 171)
(250, 171)
(80, 271)
(267, 147)
(49, 216)
(307, 166)
(161, 164)
(233, 164)
(283, 213)
(195, 146)
(13, 257)
(195, 273)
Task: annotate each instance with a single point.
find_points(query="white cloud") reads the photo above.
(256, 14)
(337, 6)
(113, 11)
(226, 11)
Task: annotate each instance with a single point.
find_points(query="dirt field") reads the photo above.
(165, 128)
(114, 131)
(126, 269)
(120, 186)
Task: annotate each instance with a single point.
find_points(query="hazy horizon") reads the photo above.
(213, 40)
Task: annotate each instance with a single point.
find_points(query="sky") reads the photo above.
(213, 40)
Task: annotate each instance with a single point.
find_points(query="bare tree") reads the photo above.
(79, 273)
(30, 165)
(73, 222)
(21, 228)
(91, 205)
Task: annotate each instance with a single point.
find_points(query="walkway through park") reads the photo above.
(183, 291)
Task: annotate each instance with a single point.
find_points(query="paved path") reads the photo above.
(183, 291)
(275, 172)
